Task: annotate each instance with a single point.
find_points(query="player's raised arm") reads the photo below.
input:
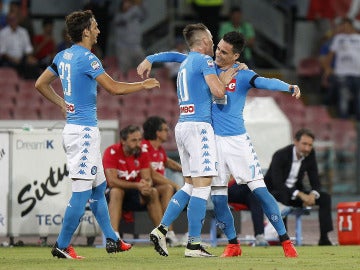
(122, 88)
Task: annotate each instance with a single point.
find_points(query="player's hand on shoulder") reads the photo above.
(144, 68)
(150, 83)
(226, 76)
(241, 66)
(295, 90)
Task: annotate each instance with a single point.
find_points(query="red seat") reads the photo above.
(8, 74)
(309, 67)
(238, 206)
(5, 113)
(30, 113)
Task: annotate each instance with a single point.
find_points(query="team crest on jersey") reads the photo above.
(210, 63)
(231, 86)
(95, 65)
(93, 170)
(136, 163)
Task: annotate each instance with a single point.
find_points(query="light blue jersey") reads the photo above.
(227, 113)
(77, 68)
(192, 90)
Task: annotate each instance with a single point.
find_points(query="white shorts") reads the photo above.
(197, 150)
(82, 147)
(237, 157)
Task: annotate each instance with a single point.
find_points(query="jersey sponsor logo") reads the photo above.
(210, 63)
(70, 108)
(187, 109)
(128, 175)
(158, 166)
(231, 86)
(95, 65)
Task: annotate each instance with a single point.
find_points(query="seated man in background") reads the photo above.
(16, 50)
(156, 132)
(128, 174)
(241, 194)
(284, 180)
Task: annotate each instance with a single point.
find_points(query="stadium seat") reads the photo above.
(26, 113)
(309, 67)
(318, 120)
(8, 74)
(5, 113)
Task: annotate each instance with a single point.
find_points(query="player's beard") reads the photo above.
(136, 152)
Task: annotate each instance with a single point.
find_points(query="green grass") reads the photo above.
(144, 257)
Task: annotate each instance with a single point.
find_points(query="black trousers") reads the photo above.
(324, 203)
(242, 194)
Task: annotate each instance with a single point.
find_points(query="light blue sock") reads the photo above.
(175, 207)
(100, 210)
(270, 208)
(73, 213)
(196, 214)
(224, 216)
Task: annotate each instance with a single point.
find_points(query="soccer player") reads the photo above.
(197, 83)
(79, 71)
(237, 156)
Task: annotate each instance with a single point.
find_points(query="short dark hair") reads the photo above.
(236, 39)
(130, 129)
(304, 131)
(190, 31)
(76, 22)
(151, 125)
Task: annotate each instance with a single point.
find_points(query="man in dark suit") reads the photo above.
(284, 180)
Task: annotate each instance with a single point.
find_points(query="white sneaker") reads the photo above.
(260, 241)
(197, 253)
(159, 241)
(185, 238)
(172, 240)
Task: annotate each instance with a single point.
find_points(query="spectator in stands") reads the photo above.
(156, 132)
(327, 80)
(128, 173)
(127, 23)
(344, 50)
(241, 194)
(236, 23)
(16, 49)
(285, 175)
(44, 44)
(23, 17)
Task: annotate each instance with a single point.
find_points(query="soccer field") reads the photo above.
(144, 257)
